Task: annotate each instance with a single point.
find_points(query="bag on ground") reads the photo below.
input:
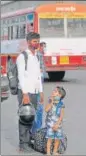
(40, 142)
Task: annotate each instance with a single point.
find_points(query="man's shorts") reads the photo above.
(54, 134)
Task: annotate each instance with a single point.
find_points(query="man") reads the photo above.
(43, 47)
(30, 84)
(40, 55)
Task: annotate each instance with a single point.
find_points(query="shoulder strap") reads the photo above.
(26, 58)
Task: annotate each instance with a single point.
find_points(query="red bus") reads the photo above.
(62, 26)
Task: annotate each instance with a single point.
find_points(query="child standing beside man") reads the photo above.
(55, 114)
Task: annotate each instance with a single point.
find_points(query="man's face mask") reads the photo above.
(34, 44)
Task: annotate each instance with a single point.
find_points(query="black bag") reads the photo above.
(12, 74)
(40, 142)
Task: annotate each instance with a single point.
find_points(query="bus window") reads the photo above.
(11, 32)
(5, 33)
(16, 33)
(83, 23)
(22, 31)
(51, 27)
(14, 20)
(30, 22)
(23, 18)
(76, 27)
(9, 35)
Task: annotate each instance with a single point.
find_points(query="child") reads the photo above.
(55, 112)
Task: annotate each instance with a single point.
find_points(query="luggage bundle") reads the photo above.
(40, 142)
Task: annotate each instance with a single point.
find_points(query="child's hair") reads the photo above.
(62, 91)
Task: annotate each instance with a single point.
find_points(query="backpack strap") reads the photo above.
(26, 58)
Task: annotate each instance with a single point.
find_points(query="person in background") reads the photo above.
(40, 55)
(42, 47)
(39, 113)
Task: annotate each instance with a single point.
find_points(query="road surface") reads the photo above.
(75, 115)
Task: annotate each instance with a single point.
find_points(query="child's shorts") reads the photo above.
(54, 134)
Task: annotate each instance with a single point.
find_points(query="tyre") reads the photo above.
(56, 76)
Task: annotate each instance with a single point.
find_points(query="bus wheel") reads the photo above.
(56, 76)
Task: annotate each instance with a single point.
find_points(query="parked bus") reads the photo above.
(62, 26)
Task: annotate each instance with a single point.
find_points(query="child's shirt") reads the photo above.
(54, 114)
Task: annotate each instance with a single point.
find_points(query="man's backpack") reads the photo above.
(12, 74)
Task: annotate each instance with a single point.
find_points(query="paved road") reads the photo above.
(75, 115)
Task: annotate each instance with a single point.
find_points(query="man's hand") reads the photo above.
(55, 127)
(41, 98)
(26, 99)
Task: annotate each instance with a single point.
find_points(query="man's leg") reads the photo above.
(24, 131)
(24, 136)
(34, 101)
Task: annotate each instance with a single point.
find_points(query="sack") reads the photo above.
(40, 142)
(13, 74)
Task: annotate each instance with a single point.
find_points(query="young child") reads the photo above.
(55, 113)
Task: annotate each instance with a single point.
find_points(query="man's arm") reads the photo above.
(21, 71)
(41, 91)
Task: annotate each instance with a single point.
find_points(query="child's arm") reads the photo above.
(49, 106)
